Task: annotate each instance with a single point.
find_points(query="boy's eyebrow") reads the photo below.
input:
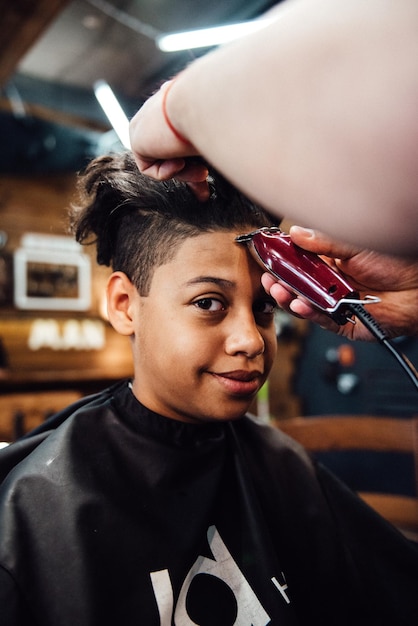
(220, 282)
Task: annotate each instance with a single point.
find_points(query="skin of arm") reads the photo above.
(314, 116)
(392, 279)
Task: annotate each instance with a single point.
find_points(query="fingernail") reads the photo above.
(300, 230)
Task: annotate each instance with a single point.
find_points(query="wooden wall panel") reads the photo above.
(40, 205)
(64, 363)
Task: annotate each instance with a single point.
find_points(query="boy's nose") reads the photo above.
(245, 337)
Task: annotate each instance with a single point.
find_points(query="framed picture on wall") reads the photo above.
(51, 273)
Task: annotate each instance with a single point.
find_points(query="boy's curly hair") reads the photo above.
(137, 222)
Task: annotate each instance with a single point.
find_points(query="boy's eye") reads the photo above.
(267, 307)
(210, 304)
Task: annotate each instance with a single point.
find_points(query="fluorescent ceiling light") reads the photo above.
(113, 111)
(206, 37)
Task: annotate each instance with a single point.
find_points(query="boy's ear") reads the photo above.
(121, 298)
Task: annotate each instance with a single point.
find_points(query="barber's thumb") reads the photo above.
(305, 237)
(320, 243)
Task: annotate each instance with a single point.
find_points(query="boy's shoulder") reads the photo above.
(19, 451)
(278, 447)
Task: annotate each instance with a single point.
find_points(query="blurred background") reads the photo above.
(53, 52)
(54, 335)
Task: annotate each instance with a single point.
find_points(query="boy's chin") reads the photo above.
(232, 415)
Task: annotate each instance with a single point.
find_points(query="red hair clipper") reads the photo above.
(304, 273)
(308, 276)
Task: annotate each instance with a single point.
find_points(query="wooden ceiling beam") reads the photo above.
(22, 22)
(56, 116)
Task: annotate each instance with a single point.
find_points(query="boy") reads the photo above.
(158, 501)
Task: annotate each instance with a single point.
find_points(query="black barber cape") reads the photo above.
(115, 515)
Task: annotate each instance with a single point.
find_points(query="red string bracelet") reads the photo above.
(167, 119)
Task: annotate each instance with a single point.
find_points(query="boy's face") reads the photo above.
(204, 337)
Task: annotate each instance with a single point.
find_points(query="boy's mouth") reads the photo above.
(240, 382)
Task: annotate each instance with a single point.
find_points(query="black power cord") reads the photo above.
(371, 324)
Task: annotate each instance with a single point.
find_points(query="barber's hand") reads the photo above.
(159, 153)
(393, 280)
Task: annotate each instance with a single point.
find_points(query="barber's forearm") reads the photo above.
(306, 115)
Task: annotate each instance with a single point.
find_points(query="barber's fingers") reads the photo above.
(194, 170)
(200, 190)
(295, 305)
(320, 243)
(193, 173)
(159, 169)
